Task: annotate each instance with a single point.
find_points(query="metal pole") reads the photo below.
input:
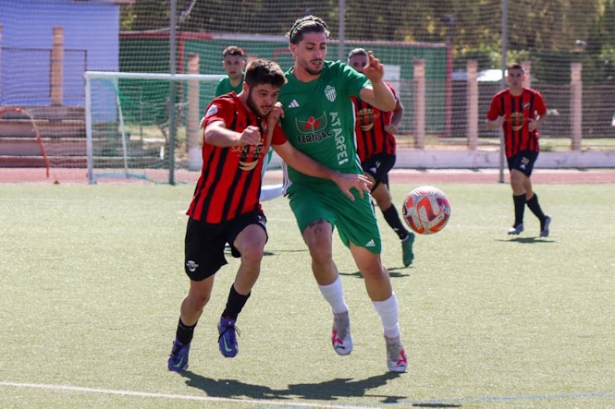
(504, 63)
(172, 92)
(89, 149)
(341, 54)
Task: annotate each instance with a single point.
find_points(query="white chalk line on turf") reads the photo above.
(174, 396)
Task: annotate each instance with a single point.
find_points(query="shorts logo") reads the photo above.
(370, 243)
(330, 93)
(192, 266)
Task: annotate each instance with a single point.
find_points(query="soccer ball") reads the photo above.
(426, 210)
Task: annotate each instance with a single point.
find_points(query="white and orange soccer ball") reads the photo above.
(426, 210)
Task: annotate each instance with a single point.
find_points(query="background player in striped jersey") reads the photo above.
(376, 147)
(319, 120)
(520, 111)
(225, 206)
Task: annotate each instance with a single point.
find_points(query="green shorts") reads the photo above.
(355, 220)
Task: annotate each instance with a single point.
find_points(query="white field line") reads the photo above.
(173, 396)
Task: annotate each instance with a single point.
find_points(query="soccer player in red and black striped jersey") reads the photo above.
(375, 132)
(225, 208)
(520, 111)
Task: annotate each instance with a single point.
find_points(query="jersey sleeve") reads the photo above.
(393, 92)
(354, 81)
(278, 137)
(495, 109)
(219, 110)
(539, 104)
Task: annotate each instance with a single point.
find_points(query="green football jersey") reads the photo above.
(224, 86)
(319, 118)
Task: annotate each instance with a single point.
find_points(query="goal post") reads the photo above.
(127, 124)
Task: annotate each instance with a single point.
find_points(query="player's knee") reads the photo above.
(374, 272)
(252, 254)
(197, 300)
(321, 251)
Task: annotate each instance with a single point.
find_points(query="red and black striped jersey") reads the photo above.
(518, 110)
(369, 129)
(230, 181)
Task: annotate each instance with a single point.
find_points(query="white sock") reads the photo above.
(269, 192)
(334, 294)
(388, 311)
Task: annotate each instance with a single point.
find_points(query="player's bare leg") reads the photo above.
(319, 238)
(380, 291)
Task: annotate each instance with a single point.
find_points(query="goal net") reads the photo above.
(133, 130)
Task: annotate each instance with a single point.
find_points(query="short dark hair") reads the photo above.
(263, 71)
(233, 50)
(307, 24)
(357, 51)
(516, 66)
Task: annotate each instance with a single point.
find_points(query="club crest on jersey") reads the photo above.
(366, 119)
(330, 93)
(517, 121)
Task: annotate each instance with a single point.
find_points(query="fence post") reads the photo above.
(0, 61)
(472, 104)
(527, 69)
(419, 104)
(576, 104)
(195, 160)
(57, 66)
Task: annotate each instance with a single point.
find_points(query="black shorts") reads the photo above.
(379, 167)
(523, 161)
(205, 242)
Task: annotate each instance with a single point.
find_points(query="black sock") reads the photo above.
(392, 218)
(234, 304)
(535, 208)
(519, 201)
(184, 332)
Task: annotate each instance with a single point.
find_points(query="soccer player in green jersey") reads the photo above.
(319, 121)
(234, 62)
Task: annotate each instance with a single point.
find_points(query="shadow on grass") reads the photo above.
(435, 405)
(326, 391)
(394, 272)
(227, 251)
(527, 240)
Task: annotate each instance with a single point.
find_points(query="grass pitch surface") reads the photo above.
(92, 280)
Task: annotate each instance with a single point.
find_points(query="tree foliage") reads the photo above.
(537, 29)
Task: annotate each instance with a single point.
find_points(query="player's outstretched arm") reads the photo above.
(305, 164)
(379, 94)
